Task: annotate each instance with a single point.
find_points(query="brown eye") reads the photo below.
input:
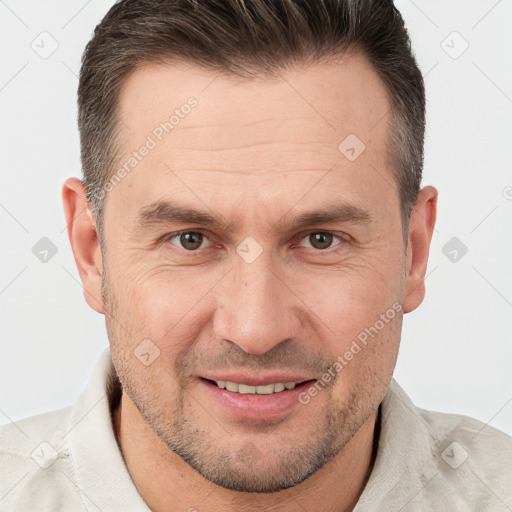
(321, 240)
(189, 240)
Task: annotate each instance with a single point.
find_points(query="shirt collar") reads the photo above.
(100, 471)
(404, 460)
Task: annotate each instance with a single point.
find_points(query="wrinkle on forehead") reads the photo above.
(318, 103)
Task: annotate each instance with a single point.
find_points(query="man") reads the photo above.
(252, 226)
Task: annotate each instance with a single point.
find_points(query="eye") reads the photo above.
(321, 240)
(188, 240)
(192, 241)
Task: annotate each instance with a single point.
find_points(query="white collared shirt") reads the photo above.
(69, 460)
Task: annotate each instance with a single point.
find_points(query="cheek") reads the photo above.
(353, 297)
(163, 304)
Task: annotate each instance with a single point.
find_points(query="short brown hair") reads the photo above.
(247, 38)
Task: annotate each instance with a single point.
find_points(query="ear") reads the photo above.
(421, 227)
(84, 241)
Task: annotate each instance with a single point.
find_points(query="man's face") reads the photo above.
(261, 296)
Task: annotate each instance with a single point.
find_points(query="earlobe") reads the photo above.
(84, 241)
(421, 228)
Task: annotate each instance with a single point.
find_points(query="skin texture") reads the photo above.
(258, 153)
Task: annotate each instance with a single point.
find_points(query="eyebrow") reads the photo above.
(167, 212)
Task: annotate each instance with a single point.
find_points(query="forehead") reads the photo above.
(344, 93)
(225, 140)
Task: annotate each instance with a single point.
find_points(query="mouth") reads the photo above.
(250, 402)
(264, 389)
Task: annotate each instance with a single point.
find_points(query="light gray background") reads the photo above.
(456, 350)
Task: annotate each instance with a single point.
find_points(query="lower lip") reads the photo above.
(256, 407)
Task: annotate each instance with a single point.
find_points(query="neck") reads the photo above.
(166, 482)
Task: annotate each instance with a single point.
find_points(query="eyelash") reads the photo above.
(342, 237)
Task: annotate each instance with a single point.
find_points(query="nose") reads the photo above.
(256, 308)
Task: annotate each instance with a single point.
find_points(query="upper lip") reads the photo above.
(241, 378)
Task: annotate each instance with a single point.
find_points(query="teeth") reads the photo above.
(232, 386)
(244, 389)
(265, 390)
